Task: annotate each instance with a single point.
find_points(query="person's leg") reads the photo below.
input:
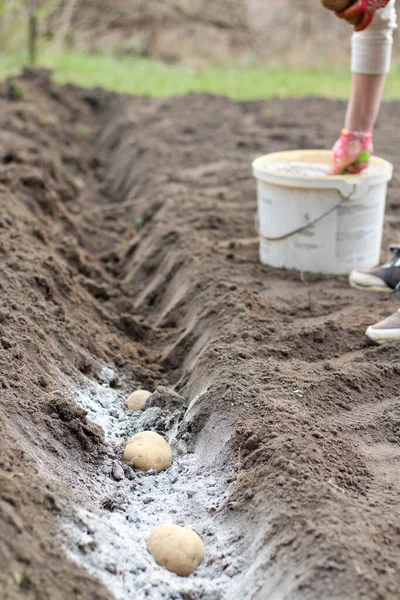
(365, 101)
(370, 61)
(371, 52)
(371, 49)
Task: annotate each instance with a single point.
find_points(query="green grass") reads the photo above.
(142, 76)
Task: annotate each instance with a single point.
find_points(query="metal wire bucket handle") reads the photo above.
(303, 227)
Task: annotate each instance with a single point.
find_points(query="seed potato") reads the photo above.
(178, 549)
(137, 399)
(148, 450)
(339, 5)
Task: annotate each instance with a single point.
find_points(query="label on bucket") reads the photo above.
(357, 234)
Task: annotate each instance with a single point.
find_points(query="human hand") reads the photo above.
(365, 9)
(351, 153)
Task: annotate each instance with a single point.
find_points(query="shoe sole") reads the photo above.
(390, 335)
(372, 342)
(370, 288)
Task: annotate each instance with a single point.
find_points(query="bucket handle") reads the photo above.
(303, 227)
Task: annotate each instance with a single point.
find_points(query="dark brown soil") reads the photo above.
(127, 239)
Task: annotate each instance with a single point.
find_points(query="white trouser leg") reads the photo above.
(372, 48)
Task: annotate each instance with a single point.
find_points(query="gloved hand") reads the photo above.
(352, 152)
(366, 8)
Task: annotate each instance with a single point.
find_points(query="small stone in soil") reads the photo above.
(111, 569)
(129, 473)
(106, 375)
(118, 472)
(147, 499)
(107, 469)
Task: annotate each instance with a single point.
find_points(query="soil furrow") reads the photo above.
(284, 411)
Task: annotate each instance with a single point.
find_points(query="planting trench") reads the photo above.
(130, 260)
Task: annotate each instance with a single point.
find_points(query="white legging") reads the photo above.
(371, 49)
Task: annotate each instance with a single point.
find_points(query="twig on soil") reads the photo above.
(11, 475)
(336, 486)
(119, 205)
(133, 200)
(239, 465)
(308, 289)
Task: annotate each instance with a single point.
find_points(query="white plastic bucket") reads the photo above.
(319, 223)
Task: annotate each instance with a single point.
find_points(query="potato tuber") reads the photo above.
(137, 399)
(178, 549)
(148, 450)
(339, 6)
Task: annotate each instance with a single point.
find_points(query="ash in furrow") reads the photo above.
(109, 538)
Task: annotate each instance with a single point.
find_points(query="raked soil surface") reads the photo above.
(129, 259)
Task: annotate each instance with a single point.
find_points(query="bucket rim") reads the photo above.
(346, 184)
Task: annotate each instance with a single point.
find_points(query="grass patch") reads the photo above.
(141, 76)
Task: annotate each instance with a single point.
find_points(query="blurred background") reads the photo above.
(246, 49)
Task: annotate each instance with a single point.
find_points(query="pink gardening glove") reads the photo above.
(366, 8)
(351, 153)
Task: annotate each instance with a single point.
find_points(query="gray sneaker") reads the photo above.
(385, 331)
(382, 279)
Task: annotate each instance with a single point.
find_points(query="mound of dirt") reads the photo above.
(129, 259)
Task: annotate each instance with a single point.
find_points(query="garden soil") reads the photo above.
(129, 259)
